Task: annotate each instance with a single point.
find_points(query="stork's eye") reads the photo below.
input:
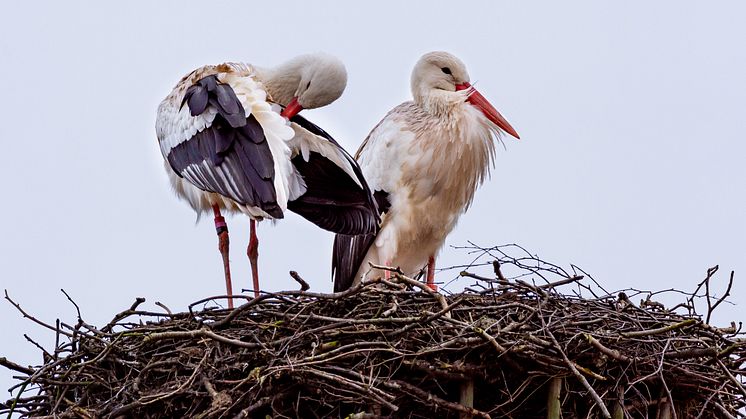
(446, 70)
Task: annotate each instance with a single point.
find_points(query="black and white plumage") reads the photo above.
(231, 157)
(425, 161)
(226, 146)
(341, 206)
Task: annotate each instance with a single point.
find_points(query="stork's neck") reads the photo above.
(282, 82)
(439, 103)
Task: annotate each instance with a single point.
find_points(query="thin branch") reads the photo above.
(15, 367)
(303, 284)
(34, 319)
(657, 331)
(571, 365)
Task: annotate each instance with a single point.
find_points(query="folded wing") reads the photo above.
(229, 155)
(337, 197)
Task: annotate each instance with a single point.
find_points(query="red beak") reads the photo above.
(292, 109)
(476, 99)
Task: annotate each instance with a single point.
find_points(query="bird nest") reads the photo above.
(535, 341)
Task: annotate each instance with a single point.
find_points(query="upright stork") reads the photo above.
(424, 161)
(233, 142)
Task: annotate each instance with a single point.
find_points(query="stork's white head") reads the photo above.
(306, 82)
(440, 80)
(437, 71)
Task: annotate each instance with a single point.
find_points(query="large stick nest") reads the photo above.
(394, 348)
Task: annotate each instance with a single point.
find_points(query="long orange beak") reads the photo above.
(292, 109)
(476, 99)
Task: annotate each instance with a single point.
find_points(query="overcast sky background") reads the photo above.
(631, 162)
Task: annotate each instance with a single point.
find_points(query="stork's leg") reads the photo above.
(253, 252)
(223, 244)
(431, 273)
(387, 273)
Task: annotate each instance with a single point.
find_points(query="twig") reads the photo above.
(722, 298)
(80, 318)
(303, 284)
(204, 333)
(34, 319)
(400, 277)
(425, 396)
(15, 367)
(640, 333)
(735, 381)
(610, 352)
(579, 376)
(163, 306)
(498, 272)
(123, 314)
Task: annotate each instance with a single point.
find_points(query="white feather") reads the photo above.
(174, 125)
(431, 176)
(254, 100)
(304, 142)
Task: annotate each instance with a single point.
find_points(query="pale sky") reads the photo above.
(631, 163)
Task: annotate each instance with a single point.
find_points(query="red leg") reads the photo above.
(431, 274)
(387, 273)
(253, 252)
(223, 244)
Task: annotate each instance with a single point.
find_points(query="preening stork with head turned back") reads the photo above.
(233, 142)
(424, 161)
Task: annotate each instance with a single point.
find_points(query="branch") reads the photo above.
(126, 313)
(721, 299)
(15, 367)
(579, 376)
(34, 319)
(610, 352)
(303, 284)
(640, 333)
(429, 397)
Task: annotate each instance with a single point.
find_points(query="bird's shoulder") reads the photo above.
(174, 122)
(396, 121)
(223, 70)
(387, 148)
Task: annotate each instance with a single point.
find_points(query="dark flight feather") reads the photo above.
(348, 251)
(196, 96)
(333, 200)
(231, 157)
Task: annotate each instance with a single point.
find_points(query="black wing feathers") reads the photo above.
(382, 200)
(231, 157)
(348, 252)
(333, 200)
(209, 90)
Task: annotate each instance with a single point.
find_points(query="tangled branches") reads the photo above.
(509, 346)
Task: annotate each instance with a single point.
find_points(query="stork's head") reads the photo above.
(440, 77)
(316, 80)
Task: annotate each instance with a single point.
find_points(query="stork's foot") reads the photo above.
(431, 274)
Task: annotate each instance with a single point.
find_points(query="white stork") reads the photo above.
(424, 161)
(228, 146)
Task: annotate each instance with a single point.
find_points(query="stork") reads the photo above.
(233, 142)
(424, 161)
